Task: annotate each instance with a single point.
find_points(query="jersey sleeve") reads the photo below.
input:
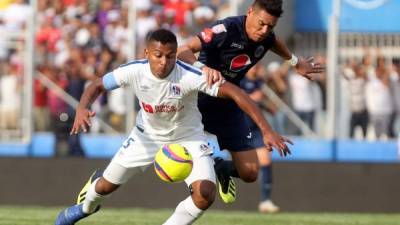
(199, 83)
(125, 75)
(195, 80)
(213, 36)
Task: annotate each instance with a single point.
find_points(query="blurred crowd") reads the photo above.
(369, 94)
(373, 89)
(77, 41)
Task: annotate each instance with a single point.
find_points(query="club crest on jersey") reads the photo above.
(240, 62)
(218, 28)
(207, 35)
(176, 90)
(204, 148)
(259, 51)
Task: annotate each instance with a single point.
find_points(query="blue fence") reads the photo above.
(311, 150)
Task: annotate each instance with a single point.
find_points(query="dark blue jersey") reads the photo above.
(227, 48)
(250, 86)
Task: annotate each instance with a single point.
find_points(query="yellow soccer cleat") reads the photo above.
(227, 189)
(82, 194)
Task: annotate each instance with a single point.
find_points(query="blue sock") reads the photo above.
(266, 182)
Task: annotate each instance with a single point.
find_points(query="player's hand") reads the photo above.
(82, 120)
(307, 67)
(212, 76)
(274, 140)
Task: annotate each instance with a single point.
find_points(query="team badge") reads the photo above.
(218, 28)
(259, 51)
(240, 62)
(203, 147)
(207, 35)
(176, 90)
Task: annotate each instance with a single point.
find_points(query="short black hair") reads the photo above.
(273, 7)
(162, 35)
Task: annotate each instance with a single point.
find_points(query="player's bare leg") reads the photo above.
(246, 164)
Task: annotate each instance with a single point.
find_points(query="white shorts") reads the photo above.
(138, 151)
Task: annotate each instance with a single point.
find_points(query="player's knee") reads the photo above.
(103, 187)
(204, 196)
(249, 175)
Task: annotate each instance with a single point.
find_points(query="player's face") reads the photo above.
(162, 58)
(259, 24)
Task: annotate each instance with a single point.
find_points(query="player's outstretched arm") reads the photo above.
(83, 114)
(304, 67)
(271, 138)
(187, 52)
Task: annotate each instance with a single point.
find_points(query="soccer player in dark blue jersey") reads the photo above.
(232, 46)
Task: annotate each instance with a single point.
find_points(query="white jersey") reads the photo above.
(168, 106)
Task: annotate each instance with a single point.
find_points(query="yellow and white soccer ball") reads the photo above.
(173, 163)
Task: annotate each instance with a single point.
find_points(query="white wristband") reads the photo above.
(198, 64)
(294, 60)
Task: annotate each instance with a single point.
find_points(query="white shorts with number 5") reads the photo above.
(138, 151)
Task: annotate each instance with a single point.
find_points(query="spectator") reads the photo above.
(40, 111)
(379, 99)
(303, 99)
(10, 98)
(15, 15)
(395, 90)
(276, 81)
(75, 87)
(252, 84)
(58, 112)
(357, 79)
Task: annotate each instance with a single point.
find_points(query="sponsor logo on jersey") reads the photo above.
(218, 28)
(240, 62)
(229, 73)
(147, 108)
(207, 35)
(249, 136)
(163, 108)
(259, 51)
(144, 88)
(236, 45)
(176, 90)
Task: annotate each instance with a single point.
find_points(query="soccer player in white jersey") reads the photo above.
(167, 90)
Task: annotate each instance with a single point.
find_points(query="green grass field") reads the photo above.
(134, 216)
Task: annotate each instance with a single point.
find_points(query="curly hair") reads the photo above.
(273, 7)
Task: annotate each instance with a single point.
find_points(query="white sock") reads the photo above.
(185, 213)
(92, 199)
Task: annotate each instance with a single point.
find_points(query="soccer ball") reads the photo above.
(173, 163)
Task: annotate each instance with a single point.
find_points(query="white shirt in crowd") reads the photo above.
(356, 89)
(303, 98)
(379, 99)
(168, 106)
(10, 98)
(395, 88)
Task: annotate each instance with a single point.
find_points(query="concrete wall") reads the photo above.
(298, 186)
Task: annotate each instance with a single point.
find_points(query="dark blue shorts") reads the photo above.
(227, 121)
(256, 135)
